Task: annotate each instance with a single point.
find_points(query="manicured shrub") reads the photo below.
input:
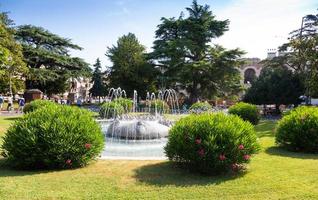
(34, 105)
(298, 131)
(53, 137)
(212, 143)
(200, 107)
(246, 111)
(159, 106)
(127, 104)
(111, 110)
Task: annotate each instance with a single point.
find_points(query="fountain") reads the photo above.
(138, 135)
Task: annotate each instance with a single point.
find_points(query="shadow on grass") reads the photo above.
(6, 171)
(11, 118)
(166, 173)
(278, 151)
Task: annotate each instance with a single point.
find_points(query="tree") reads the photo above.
(275, 86)
(12, 67)
(47, 56)
(301, 53)
(130, 69)
(98, 88)
(185, 56)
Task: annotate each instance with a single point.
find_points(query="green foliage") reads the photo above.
(185, 55)
(98, 88)
(53, 137)
(11, 58)
(127, 104)
(200, 107)
(246, 111)
(159, 106)
(111, 110)
(37, 104)
(48, 56)
(130, 69)
(211, 143)
(301, 53)
(275, 85)
(298, 131)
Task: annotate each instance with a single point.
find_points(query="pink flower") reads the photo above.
(198, 141)
(201, 152)
(88, 146)
(222, 157)
(246, 157)
(241, 147)
(68, 162)
(235, 167)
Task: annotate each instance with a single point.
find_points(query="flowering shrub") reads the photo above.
(159, 106)
(53, 137)
(34, 105)
(127, 104)
(212, 143)
(246, 111)
(111, 110)
(298, 131)
(200, 107)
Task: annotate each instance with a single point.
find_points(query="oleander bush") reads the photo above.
(298, 131)
(111, 110)
(36, 104)
(246, 111)
(126, 103)
(53, 137)
(159, 106)
(200, 107)
(212, 143)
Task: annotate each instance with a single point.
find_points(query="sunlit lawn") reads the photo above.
(272, 174)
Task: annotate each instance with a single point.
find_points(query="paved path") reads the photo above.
(10, 114)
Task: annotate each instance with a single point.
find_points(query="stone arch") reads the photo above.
(250, 75)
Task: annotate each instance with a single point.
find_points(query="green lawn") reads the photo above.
(272, 174)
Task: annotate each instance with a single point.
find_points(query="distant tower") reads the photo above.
(271, 53)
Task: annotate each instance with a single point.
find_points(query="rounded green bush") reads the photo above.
(298, 131)
(246, 111)
(200, 107)
(53, 137)
(127, 104)
(212, 143)
(36, 104)
(111, 110)
(159, 106)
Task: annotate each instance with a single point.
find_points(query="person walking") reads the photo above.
(21, 103)
(10, 104)
(1, 102)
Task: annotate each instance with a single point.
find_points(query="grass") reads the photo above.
(272, 174)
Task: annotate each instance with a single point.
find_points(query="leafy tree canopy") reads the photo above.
(11, 57)
(275, 86)
(47, 54)
(130, 69)
(186, 57)
(301, 53)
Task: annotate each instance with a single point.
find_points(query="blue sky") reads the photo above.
(256, 25)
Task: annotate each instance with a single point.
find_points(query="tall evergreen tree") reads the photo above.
(130, 69)
(301, 53)
(184, 52)
(47, 56)
(98, 89)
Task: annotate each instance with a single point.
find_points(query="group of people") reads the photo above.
(10, 105)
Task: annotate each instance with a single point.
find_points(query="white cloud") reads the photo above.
(258, 25)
